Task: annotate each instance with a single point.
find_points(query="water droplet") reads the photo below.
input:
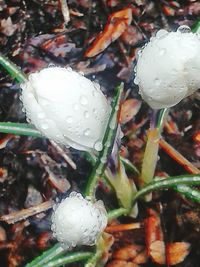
(44, 126)
(162, 51)
(95, 111)
(69, 120)
(83, 100)
(136, 80)
(86, 114)
(94, 93)
(81, 73)
(184, 29)
(138, 54)
(41, 115)
(97, 86)
(161, 33)
(51, 65)
(87, 132)
(112, 124)
(157, 82)
(98, 146)
(103, 160)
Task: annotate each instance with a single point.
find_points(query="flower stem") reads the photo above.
(46, 256)
(12, 69)
(70, 258)
(108, 140)
(19, 129)
(166, 183)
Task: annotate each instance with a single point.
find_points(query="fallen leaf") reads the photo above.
(157, 252)
(7, 27)
(118, 263)
(153, 230)
(177, 252)
(129, 109)
(134, 253)
(116, 25)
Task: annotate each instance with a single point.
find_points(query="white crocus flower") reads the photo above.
(168, 67)
(77, 221)
(66, 107)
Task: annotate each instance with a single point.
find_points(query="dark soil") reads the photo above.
(33, 35)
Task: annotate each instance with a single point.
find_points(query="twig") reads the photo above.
(172, 152)
(17, 216)
(122, 227)
(65, 11)
(64, 155)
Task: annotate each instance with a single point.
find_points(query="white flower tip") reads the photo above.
(77, 221)
(168, 67)
(66, 107)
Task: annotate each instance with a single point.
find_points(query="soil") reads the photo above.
(33, 35)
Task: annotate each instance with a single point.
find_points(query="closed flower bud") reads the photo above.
(168, 67)
(77, 221)
(66, 107)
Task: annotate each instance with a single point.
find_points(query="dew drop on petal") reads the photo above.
(136, 80)
(161, 33)
(87, 132)
(44, 126)
(51, 65)
(86, 114)
(83, 100)
(69, 69)
(157, 82)
(98, 146)
(184, 29)
(95, 111)
(69, 120)
(162, 51)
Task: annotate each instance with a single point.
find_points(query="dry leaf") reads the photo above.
(134, 253)
(157, 252)
(129, 109)
(177, 252)
(116, 25)
(118, 263)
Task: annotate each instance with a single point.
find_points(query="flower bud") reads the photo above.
(66, 107)
(77, 221)
(168, 67)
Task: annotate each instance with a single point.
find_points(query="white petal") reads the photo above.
(77, 221)
(75, 105)
(167, 68)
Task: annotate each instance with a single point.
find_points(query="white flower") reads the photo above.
(77, 221)
(66, 107)
(168, 67)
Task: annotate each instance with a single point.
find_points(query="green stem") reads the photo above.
(47, 256)
(19, 129)
(113, 214)
(129, 165)
(166, 183)
(188, 192)
(161, 118)
(70, 258)
(12, 69)
(94, 259)
(108, 140)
